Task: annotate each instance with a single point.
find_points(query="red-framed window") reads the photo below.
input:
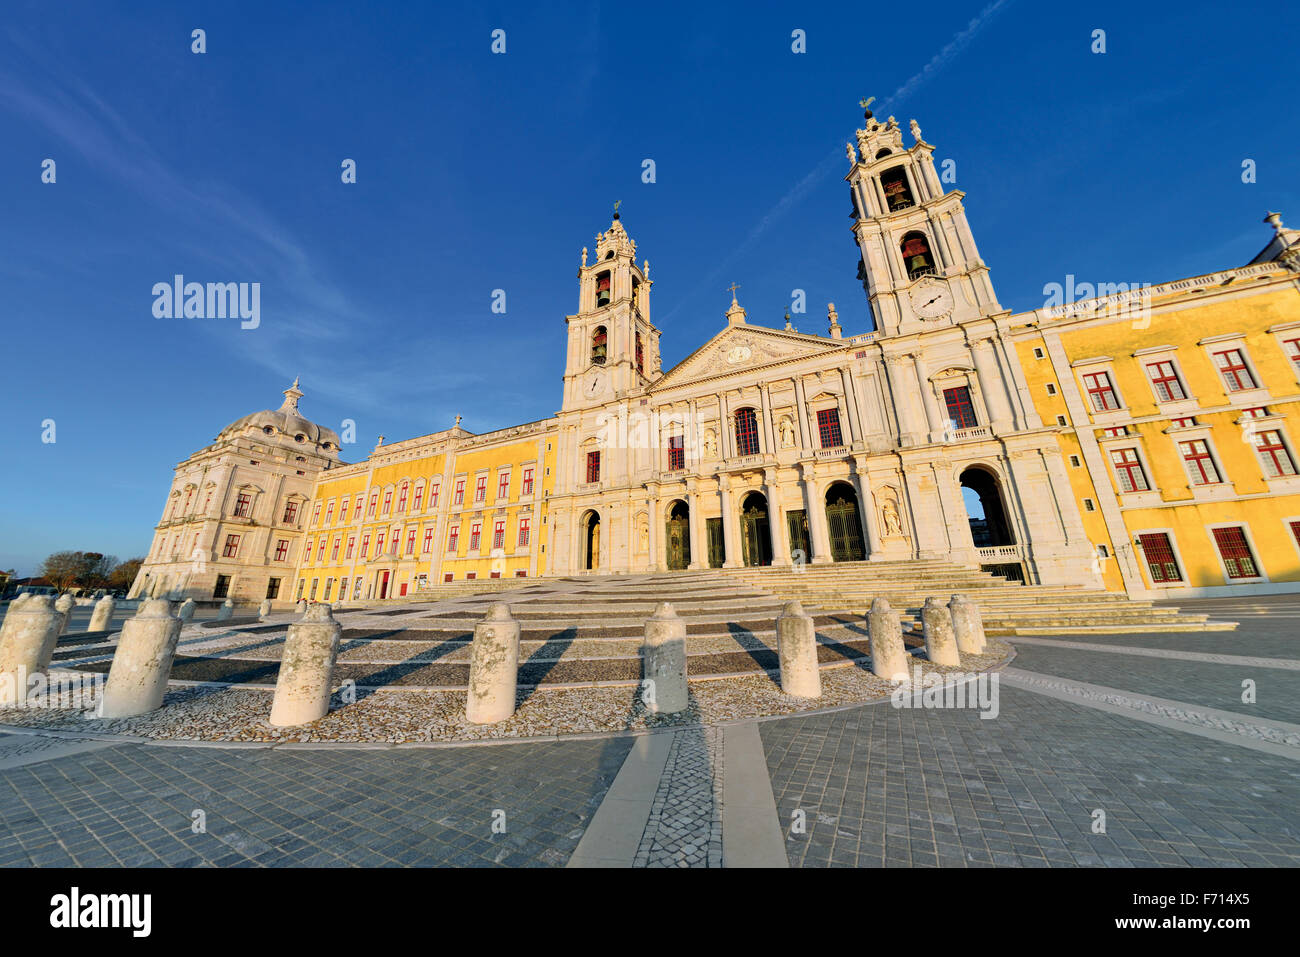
(329, 513)
(356, 511)
(315, 514)
(401, 497)
(189, 494)
(1238, 560)
(524, 528)
(1258, 412)
(1292, 347)
(593, 466)
(503, 485)
(1164, 379)
(334, 552)
(329, 584)
(1128, 469)
(379, 543)
(343, 589)
(1159, 555)
(352, 542)
(410, 542)
(290, 512)
(243, 504)
(1273, 454)
(676, 452)
(1231, 364)
(388, 502)
(499, 535)
(746, 432)
(480, 488)
(365, 545)
(453, 536)
(828, 428)
(232, 547)
(459, 497)
(374, 500)
(433, 494)
(475, 533)
(1295, 531)
(343, 511)
(281, 550)
(428, 541)
(1200, 465)
(526, 486)
(1185, 423)
(419, 497)
(960, 409)
(1115, 431)
(306, 555)
(320, 549)
(1100, 391)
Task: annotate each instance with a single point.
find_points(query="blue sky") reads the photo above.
(478, 171)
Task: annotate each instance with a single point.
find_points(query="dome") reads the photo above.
(285, 422)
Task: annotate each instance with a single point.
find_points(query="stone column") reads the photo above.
(64, 606)
(851, 405)
(264, 609)
(797, 650)
(698, 548)
(663, 657)
(801, 415)
(936, 624)
(187, 610)
(866, 506)
(226, 610)
(494, 669)
(27, 639)
(776, 519)
(101, 619)
(904, 398)
(725, 447)
(654, 530)
(991, 384)
(302, 689)
(889, 657)
(730, 532)
(142, 664)
(933, 417)
(967, 625)
(821, 539)
(769, 432)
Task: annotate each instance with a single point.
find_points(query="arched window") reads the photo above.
(602, 290)
(746, 432)
(598, 347)
(916, 256)
(898, 195)
(640, 355)
(883, 153)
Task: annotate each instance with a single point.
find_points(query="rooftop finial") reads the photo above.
(866, 105)
(733, 287)
(617, 204)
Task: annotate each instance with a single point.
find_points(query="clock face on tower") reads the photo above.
(931, 299)
(593, 384)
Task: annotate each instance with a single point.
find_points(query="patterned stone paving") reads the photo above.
(685, 826)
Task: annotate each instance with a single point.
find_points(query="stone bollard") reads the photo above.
(137, 680)
(936, 624)
(302, 605)
(26, 646)
(64, 606)
(186, 613)
(796, 642)
(226, 610)
(967, 625)
(889, 657)
(101, 619)
(663, 657)
(264, 609)
(302, 690)
(494, 670)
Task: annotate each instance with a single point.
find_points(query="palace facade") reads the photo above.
(1137, 440)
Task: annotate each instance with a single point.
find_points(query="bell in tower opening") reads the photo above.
(602, 290)
(897, 193)
(598, 346)
(916, 256)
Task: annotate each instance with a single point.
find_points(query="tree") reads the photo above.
(123, 576)
(62, 569)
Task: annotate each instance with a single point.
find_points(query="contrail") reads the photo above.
(952, 48)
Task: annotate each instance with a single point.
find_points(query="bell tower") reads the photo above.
(919, 264)
(613, 346)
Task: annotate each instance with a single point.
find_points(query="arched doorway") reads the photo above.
(590, 529)
(843, 524)
(985, 508)
(677, 537)
(755, 532)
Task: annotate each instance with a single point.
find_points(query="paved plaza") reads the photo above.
(1149, 734)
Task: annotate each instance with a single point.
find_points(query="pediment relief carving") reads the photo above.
(740, 348)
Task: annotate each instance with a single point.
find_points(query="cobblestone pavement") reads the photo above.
(867, 786)
(685, 826)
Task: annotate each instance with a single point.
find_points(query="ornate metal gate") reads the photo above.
(845, 529)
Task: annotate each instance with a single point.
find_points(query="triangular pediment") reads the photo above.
(741, 348)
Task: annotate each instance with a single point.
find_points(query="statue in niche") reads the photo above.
(787, 433)
(642, 535)
(890, 518)
(710, 444)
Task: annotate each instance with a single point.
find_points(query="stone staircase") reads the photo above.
(1009, 608)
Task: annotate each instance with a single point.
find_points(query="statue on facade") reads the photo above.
(890, 518)
(916, 130)
(642, 535)
(787, 433)
(851, 153)
(710, 444)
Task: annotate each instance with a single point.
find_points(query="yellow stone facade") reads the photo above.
(1193, 391)
(452, 506)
